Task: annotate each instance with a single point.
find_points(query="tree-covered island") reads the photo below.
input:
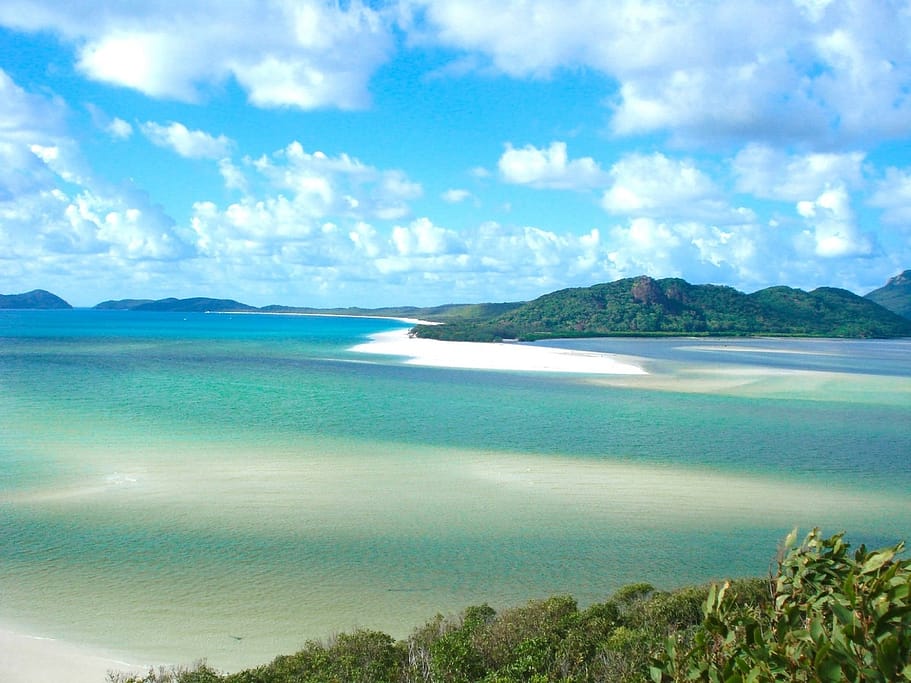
(643, 306)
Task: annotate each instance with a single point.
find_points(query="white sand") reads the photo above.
(503, 356)
(33, 659)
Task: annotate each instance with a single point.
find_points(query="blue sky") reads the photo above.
(430, 151)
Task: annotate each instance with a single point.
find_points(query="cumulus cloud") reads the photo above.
(773, 174)
(192, 144)
(549, 168)
(832, 231)
(699, 252)
(300, 204)
(425, 238)
(642, 184)
(700, 69)
(893, 195)
(56, 219)
(305, 54)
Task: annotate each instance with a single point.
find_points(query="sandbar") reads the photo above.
(35, 659)
(506, 356)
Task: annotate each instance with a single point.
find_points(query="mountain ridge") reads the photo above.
(643, 306)
(35, 299)
(895, 294)
(637, 306)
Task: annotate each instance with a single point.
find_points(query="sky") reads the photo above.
(422, 152)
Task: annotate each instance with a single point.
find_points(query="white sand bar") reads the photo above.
(502, 356)
(32, 659)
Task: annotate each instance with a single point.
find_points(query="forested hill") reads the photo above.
(644, 306)
(197, 304)
(37, 298)
(895, 294)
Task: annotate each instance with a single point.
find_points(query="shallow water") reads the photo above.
(179, 486)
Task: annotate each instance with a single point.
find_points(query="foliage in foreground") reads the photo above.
(828, 615)
(836, 616)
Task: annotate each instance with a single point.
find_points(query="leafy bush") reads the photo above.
(835, 616)
(827, 615)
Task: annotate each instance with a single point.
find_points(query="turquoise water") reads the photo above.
(176, 486)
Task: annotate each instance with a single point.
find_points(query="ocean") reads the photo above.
(183, 486)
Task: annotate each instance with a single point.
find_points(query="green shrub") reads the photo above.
(835, 616)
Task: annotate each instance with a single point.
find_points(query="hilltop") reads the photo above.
(644, 306)
(639, 306)
(37, 298)
(895, 294)
(197, 304)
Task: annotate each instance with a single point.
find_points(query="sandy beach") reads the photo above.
(34, 659)
(503, 356)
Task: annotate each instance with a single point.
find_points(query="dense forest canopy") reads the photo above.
(644, 306)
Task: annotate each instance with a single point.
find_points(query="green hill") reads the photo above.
(895, 294)
(643, 306)
(194, 305)
(37, 298)
(121, 304)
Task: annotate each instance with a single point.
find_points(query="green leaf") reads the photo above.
(842, 613)
(887, 655)
(877, 560)
(828, 669)
(817, 632)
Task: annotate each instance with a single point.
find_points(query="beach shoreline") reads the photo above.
(30, 658)
(502, 356)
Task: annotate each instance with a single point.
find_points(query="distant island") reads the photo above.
(197, 304)
(37, 298)
(638, 306)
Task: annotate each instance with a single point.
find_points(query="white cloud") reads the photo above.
(698, 252)
(192, 144)
(645, 182)
(893, 195)
(455, 196)
(305, 54)
(120, 129)
(422, 237)
(814, 70)
(832, 231)
(59, 224)
(341, 185)
(772, 174)
(233, 176)
(656, 185)
(549, 168)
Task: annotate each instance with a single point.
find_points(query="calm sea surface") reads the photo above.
(176, 486)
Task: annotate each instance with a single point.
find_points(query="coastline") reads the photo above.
(28, 658)
(410, 321)
(504, 356)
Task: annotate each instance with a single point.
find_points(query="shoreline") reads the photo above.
(410, 321)
(29, 658)
(503, 356)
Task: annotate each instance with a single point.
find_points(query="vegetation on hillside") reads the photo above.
(827, 615)
(643, 306)
(895, 294)
(37, 298)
